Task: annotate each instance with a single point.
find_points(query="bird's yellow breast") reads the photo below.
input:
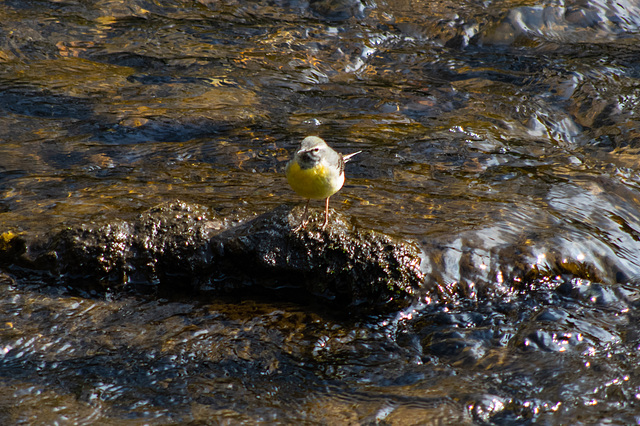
(317, 182)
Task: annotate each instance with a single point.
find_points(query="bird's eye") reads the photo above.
(316, 149)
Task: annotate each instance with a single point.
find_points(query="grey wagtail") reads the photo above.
(316, 171)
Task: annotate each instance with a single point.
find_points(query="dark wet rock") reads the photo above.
(180, 247)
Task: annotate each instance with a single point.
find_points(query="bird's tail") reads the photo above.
(348, 156)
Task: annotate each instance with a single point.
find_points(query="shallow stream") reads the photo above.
(502, 137)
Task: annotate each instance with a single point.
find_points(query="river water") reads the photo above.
(501, 136)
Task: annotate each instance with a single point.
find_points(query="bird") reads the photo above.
(316, 172)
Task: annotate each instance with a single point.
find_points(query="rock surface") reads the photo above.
(179, 247)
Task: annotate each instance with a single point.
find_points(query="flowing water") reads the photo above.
(501, 136)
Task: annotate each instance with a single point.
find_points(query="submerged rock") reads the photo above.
(179, 247)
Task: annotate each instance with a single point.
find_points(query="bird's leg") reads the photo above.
(326, 213)
(303, 222)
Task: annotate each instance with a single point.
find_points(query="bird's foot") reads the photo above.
(302, 225)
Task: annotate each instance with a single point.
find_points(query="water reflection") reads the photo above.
(502, 138)
(254, 361)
